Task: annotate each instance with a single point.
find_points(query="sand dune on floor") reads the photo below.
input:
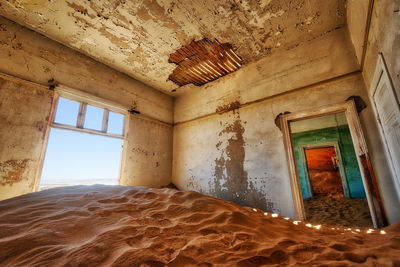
(136, 226)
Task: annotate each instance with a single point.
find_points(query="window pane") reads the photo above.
(93, 118)
(67, 111)
(115, 123)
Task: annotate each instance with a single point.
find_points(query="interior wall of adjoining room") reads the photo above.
(342, 136)
(32, 57)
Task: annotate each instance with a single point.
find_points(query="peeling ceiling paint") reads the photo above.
(137, 37)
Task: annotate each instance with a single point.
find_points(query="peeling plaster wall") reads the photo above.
(33, 57)
(24, 112)
(240, 154)
(149, 154)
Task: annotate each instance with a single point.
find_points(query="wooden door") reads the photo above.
(388, 113)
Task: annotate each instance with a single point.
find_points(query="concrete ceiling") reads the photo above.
(136, 37)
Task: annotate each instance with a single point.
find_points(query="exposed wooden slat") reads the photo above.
(81, 115)
(203, 61)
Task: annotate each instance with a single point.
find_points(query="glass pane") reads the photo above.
(67, 111)
(93, 118)
(115, 123)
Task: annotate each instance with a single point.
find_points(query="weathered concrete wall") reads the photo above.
(148, 160)
(239, 155)
(33, 57)
(24, 112)
(384, 37)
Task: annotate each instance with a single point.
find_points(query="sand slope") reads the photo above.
(135, 226)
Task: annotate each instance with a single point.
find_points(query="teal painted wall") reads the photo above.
(340, 134)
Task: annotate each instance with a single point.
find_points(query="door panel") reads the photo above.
(388, 111)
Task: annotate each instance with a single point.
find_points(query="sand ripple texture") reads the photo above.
(137, 226)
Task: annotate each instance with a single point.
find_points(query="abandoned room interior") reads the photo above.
(199, 133)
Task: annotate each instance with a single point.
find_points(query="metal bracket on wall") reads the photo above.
(278, 121)
(52, 84)
(133, 111)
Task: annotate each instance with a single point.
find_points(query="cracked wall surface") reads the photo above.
(136, 37)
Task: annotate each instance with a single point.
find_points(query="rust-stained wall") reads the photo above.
(24, 112)
(148, 160)
(33, 57)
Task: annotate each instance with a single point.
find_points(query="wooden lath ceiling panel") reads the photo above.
(203, 61)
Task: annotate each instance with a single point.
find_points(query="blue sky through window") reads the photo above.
(93, 118)
(115, 123)
(67, 111)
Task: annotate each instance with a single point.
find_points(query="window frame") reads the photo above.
(85, 99)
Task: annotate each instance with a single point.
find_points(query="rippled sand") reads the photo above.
(135, 226)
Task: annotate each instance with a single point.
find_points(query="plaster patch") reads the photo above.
(12, 171)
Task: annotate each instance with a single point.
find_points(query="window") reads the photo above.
(85, 116)
(74, 157)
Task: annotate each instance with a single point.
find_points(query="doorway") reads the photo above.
(323, 171)
(313, 133)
